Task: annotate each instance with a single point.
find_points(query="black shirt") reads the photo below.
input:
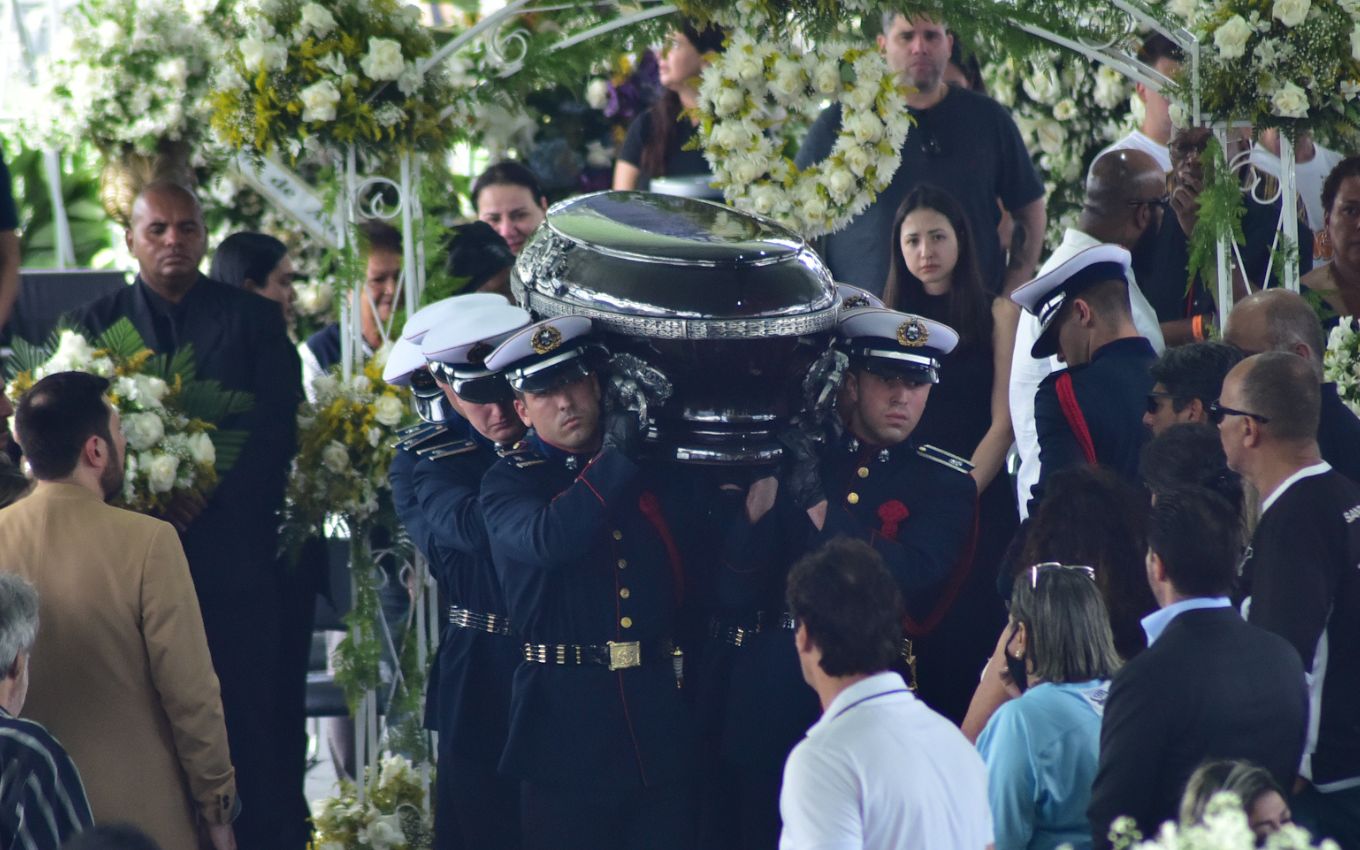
(679, 161)
(1302, 574)
(9, 214)
(968, 145)
(1339, 434)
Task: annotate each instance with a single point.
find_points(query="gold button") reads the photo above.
(622, 563)
(852, 498)
(626, 622)
(624, 593)
(618, 535)
(863, 472)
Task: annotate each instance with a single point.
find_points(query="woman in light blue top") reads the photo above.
(1041, 750)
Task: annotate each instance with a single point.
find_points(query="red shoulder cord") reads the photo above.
(1067, 400)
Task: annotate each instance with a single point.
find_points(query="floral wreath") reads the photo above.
(750, 92)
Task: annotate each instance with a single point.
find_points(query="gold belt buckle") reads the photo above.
(624, 654)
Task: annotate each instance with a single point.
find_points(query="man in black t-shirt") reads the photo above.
(1301, 575)
(963, 142)
(9, 245)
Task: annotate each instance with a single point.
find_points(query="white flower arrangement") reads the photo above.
(1223, 827)
(327, 76)
(392, 816)
(168, 418)
(1067, 112)
(748, 95)
(1296, 66)
(1341, 361)
(134, 73)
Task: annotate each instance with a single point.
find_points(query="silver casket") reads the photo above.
(731, 309)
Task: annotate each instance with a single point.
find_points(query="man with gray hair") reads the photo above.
(1280, 320)
(1301, 575)
(42, 802)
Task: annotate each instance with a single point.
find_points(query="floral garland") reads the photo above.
(330, 76)
(1224, 826)
(1292, 64)
(135, 74)
(748, 95)
(1341, 362)
(1067, 112)
(168, 415)
(393, 815)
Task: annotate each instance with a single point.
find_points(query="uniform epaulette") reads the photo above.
(945, 458)
(418, 437)
(410, 430)
(521, 454)
(441, 450)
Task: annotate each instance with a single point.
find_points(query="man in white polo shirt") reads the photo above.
(880, 769)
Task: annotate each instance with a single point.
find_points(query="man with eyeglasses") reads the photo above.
(963, 142)
(1280, 320)
(1301, 576)
(1208, 686)
(1187, 379)
(1092, 411)
(1125, 198)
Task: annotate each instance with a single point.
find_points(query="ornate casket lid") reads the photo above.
(680, 268)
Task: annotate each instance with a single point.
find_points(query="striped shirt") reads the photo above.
(42, 802)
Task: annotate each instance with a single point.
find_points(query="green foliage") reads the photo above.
(1220, 214)
(121, 340)
(91, 233)
(357, 667)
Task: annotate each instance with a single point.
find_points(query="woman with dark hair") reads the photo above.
(1042, 748)
(934, 272)
(1089, 515)
(1190, 454)
(657, 139)
(509, 197)
(1262, 798)
(1338, 282)
(257, 263)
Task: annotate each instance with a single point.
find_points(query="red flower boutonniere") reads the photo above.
(891, 513)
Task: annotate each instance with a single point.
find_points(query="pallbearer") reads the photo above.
(592, 577)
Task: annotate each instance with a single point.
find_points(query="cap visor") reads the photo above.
(546, 380)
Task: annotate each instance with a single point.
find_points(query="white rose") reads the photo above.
(257, 53)
(319, 100)
(840, 183)
(143, 430)
(1290, 12)
(864, 127)
(858, 159)
(827, 78)
(202, 450)
(317, 18)
(73, 352)
(410, 80)
(388, 410)
(384, 60)
(745, 65)
(728, 102)
(1355, 43)
(597, 93)
(1289, 101)
(335, 457)
(1231, 37)
(150, 389)
(333, 62)
(161, 471)
(787, 81)
(102, 366)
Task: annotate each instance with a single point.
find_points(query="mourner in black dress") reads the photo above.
(592, 577)
(1092, 411)
(231, 541)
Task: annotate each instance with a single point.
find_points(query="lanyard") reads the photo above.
(871, 696)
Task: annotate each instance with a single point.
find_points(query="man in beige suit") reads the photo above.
(121, 673)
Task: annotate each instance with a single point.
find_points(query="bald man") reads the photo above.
(1124, 203)
(231, 540)
(1280, 320)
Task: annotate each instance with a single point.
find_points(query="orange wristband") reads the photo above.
(1197, 328)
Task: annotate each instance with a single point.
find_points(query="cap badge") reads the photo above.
(913, 333)
(546, 339)
(854, 302)
(477, 354)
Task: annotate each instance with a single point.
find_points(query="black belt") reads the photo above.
(738, 634)
(616, 654)
(491, 623)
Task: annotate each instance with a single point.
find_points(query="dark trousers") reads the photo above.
(1335, 815)
(741, 811)
(660, 818)
(475, 809)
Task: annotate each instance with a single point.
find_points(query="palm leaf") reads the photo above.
(26, 357)
(121, 340)
(207, 400)
(228, 445)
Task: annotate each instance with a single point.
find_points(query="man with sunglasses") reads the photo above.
(1125, 198)
(1301, 575)
(1209, 686)
(468, 695)
(590, 566)
(1187, 379)
(1092, 411)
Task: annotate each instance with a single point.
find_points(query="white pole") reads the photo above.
(1289, 220)
(349, 306)
(66, 252)
(1224, 249)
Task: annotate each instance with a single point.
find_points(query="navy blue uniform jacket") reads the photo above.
(585, 558)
